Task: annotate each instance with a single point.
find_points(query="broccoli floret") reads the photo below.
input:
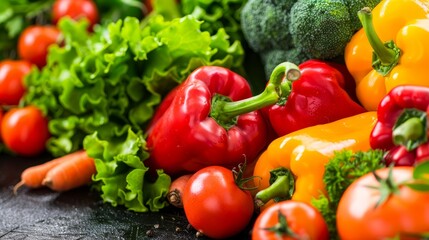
(320, 28)
(274, 57)
(354, 6)
(265, 24)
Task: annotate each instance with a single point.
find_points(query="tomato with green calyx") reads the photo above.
(387, 204)
(34, 42)
(215, 204)
(12, 73)
(75, 9)
(290, 219)
(24, 130)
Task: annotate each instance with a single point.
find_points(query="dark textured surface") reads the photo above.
(77, 214)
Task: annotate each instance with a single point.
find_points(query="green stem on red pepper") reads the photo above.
(281, 187)
(225, 112)
(386, 55)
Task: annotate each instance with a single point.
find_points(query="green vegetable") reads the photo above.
(316, 28)
(216, 14)
(354, 7)
(113, 10)
(122, 177)
(344, 168)
(321, 28)
(265, 24)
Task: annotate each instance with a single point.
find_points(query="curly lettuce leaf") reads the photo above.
(122, 176)
(114, 78)
(216, 14)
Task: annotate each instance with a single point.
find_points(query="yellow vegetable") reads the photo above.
(397, 33)
(305, 152)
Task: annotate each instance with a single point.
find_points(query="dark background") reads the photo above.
(79, 213)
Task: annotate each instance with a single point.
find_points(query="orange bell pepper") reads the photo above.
(303, 154)
(391, 49)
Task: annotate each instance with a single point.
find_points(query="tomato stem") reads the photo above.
(282, 228)
(387, 186)
(239, 178)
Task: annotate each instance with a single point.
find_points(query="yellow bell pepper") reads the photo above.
(391, 49)
(303, 154)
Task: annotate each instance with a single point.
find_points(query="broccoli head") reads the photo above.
(274, 57)
(320, 28)
(354, 6)
(265, 24)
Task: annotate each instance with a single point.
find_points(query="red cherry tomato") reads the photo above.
(75, 9)
(215, 205)
(34, 41)
(303, 221)
(12, 74)
(25, 131)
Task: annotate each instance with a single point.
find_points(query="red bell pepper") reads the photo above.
(402, 125)
(319, 97)
(212, 119)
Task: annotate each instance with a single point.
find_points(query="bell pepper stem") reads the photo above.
(386, 55)
(408, 131)
(281, 188)
(224, 111)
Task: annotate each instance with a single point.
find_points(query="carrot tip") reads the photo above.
(17, 186)
(47, 182)
(174, 198)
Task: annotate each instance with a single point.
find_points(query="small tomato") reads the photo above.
(75, 9)
(12, 73)
(214, 203)
(34, 42)
(381, 206)
(290, 219)
(25, 131)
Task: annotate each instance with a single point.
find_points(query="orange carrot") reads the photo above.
(174, 195)
(32, 177)
(70, 174)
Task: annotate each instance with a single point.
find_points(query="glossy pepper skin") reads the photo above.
(402, 125)
(390, 50)
(211, 119)
(318, 97)
(305, 152)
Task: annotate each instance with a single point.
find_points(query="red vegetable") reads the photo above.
(75, 9)
(319, 97)
(385, 206)
(290, 220)
(12, 73)
(402, 125)
(25, 130)
(34, 41)
(198, 125)
(215, 204)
